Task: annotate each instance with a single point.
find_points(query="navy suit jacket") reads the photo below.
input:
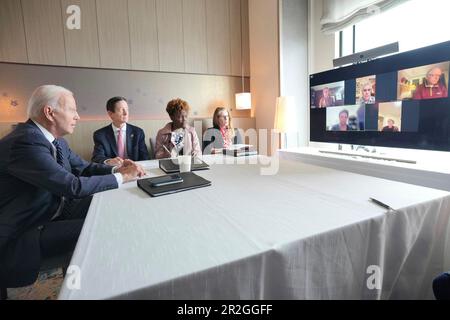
(31, 186)
(105, 146)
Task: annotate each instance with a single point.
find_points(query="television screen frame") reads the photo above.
(415, 128)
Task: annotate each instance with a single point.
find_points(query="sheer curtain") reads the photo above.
(338, 14)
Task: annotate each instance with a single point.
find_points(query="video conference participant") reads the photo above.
(45, 188)
(390, 127)
(177, 137)
(222, 134)
(366, 94)
(433, 86)
(119, 140)
(343, 122)
(326, 100)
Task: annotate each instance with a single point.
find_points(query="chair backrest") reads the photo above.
(152, 148)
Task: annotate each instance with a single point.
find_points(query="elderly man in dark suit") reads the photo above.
(119, 140)
(45, 188)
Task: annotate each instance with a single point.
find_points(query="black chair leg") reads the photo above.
(3, 293)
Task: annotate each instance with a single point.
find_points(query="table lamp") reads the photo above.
(285, 119)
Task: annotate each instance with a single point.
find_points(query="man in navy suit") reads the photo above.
(45, 188)
(119, 140)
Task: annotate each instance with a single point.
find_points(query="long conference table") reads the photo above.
(306, 232)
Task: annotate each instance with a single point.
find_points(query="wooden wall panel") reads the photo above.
(81, 45)
(218, 36)
(194, 32)
(113, 33)
(13, 46)
(170, 35)
(245, 37)
(44, 31)
(143, 35)
(235, 38)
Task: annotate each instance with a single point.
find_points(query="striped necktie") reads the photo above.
(59, 153)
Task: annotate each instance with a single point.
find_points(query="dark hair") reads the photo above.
(111, 104)
(344, 111)
(177, 105)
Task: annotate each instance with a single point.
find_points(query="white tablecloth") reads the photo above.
(305, 233)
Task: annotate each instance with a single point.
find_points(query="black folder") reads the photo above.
(190, 181)
(171, 165)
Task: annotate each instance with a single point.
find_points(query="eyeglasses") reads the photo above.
(225, 117)
(433, 75)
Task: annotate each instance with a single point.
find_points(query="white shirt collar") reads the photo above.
(45, 132)
(124, 127)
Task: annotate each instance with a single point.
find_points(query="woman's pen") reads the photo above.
(167, 150)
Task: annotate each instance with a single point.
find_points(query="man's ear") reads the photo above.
(48, 112)
(110, 113)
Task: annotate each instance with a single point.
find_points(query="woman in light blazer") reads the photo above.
(177, 137)
(222, 135)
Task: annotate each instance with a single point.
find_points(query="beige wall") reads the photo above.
(81, 141)
(147, 92)
(264, 62)
(321, 47)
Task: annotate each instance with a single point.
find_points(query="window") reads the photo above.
(414, 24)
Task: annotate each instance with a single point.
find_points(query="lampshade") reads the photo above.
(285, 119)
(243, 100)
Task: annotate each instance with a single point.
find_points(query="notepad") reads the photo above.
(190, 181)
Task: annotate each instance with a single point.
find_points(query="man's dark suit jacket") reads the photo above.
(31, 186)
(105, 146)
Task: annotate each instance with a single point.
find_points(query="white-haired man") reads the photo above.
(46, 189)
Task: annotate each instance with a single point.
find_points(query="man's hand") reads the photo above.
(130, 170)
(114, 161)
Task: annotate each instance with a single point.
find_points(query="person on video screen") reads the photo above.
(433, 86)
(343, 122)
(390, 127)
(326, 100)
(366, 94)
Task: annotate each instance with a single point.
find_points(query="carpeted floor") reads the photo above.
(46, 287)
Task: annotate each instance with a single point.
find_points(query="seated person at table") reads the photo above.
(433, 86)
(119, 140)
(222, 134)
(45, 188)
(177, 137)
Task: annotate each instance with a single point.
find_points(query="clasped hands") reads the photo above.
(129, 169)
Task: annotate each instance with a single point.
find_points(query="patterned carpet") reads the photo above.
(46, 287)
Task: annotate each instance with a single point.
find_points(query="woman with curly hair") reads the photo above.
(177, 137)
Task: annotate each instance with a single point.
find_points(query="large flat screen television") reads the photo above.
(399, 101)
